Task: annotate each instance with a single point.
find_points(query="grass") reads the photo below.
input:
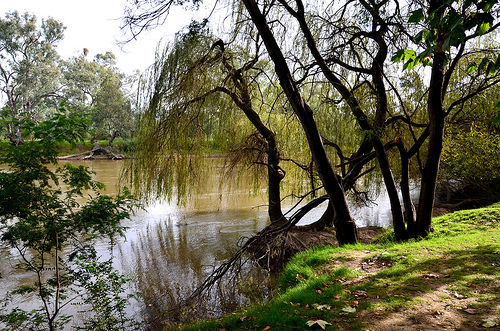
(453, 277)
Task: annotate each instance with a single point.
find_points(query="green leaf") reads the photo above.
(467, 3)
(398, 56)
(409, 65)
(422, 35)
(321, 323)
(490, 69)
(416, 16)
(447, 41)
(497, 62)
(471, 67)
(483, 63)
(409, 54)
(483, 28)
(496, 120)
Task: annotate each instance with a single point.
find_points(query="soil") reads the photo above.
(299, 240)
(439, 309)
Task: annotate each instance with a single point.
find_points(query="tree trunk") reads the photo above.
(15, 135)
(378, 82)
(112, 138)
(409, 215)
(390, 185)
(436, 134)
(431, 168)
(344, 224)
(275, 174)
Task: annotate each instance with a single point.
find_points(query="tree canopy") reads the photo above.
(28, 66)
(343, 58)
(34, 79)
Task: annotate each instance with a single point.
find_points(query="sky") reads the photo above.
(95, 25)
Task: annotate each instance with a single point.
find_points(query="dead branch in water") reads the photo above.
(96, 150)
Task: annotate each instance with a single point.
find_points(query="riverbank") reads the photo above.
(448, 281)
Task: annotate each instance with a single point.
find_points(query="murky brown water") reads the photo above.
(170, 249)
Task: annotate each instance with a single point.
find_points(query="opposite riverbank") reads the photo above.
(448, 281)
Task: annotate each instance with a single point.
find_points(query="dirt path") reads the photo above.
(438, 309)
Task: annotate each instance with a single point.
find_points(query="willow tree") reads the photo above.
(351, 42)
(353, 46)
(204, 93)
(234, 83)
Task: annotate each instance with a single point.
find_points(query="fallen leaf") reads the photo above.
(471, 311)
(470, 285)
(321, 307)
(355, 303)
(349, 309)
(321, 323)
(428, 276)
(299, 276)
(437, 312)
(360, 293)
(325, 285)
(489, 322)
(319, 291)
(267, 328)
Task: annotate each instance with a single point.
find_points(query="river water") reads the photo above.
(170, 249)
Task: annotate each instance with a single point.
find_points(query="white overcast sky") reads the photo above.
(95, 25)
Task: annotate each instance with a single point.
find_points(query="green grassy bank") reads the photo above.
(448, 281)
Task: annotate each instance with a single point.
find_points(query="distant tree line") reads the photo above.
(34, 79)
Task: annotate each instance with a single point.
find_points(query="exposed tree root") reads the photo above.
(269, 249)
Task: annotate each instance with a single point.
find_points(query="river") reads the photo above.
(170, 249)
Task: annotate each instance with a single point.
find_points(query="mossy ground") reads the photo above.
(448, 281)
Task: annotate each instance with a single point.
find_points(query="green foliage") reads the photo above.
(29, 66)
(471, 157)
(41, 217)
(33, 75)
(105, 289)
(97, 87)
(496, 120)
(33, 320)
(452, 30)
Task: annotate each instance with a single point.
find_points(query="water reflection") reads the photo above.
(171, 257)
(170, 249)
